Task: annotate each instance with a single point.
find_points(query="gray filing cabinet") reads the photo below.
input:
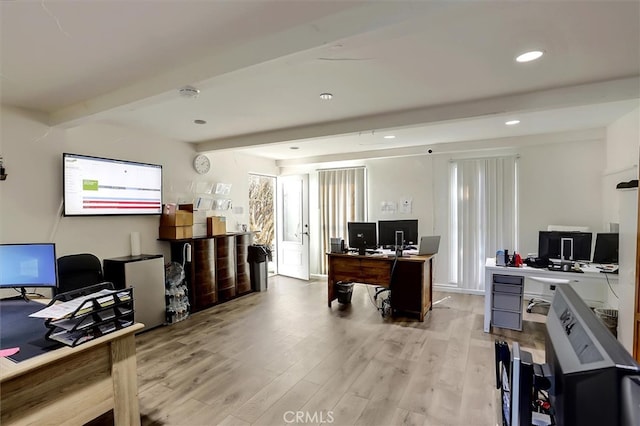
(506, 308)
(145, 273)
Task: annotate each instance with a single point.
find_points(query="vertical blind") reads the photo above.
(483, 216)
(342, 200)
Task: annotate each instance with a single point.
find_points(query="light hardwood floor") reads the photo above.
(283, 357)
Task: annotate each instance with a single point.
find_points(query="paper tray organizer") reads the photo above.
(109, 310)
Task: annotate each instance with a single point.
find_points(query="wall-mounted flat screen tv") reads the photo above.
(95, 186)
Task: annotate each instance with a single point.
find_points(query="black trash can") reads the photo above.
(257, 257)
(344, 291)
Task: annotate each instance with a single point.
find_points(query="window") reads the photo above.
(262, 190)
(342, 199)
(483, 216)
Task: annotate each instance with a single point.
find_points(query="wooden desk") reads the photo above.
(411, 282)
(73, 385)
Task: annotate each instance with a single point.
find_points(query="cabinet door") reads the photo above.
(147, 279)
(407, 288)
(226, 267)
(243, 283)
(374, 271)
(344, 268)
(204, 266)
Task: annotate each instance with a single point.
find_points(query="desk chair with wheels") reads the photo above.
(385, 305)
(539, 301)
(77, 271)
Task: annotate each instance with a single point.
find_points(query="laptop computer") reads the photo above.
(429, 245)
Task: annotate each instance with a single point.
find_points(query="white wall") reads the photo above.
(555, 188)
(621, 206)
(396, 179)
(560, 184)
(226, 167)
(414, 178)
(31, 196)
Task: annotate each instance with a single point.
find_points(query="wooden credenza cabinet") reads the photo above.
(218, 271)
(226, 267)
(201, 273)
(243, 281)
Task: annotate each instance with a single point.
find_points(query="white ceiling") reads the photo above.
(428, 72)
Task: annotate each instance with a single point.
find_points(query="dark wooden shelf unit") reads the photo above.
(226, 267)
(202, 273)
(243, 281)
(218, 270)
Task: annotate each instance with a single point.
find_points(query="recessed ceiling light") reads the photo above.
(390, 137)
(294, 147)
(326, 96)
(200, 121)
(512, 122)
(189, 92)
(529, 56)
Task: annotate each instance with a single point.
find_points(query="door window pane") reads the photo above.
(292, 208)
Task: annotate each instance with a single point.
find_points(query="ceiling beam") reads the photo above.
(448, 148)
(355, 18)
(570, 96)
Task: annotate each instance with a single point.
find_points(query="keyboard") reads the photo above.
(608, 269)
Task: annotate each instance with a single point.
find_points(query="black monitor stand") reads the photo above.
(23, 294)
(362, 251)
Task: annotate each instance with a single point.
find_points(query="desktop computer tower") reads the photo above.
(336, 245)
(514, 378)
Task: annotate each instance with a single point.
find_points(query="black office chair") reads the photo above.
(385, 303)
(542, 301)
(77, 271)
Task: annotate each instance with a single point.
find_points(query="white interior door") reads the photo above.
(293, 226)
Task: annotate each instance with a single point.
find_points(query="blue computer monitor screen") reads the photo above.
(606, 250)
(362, 235)
(28, 265)
(387, 231)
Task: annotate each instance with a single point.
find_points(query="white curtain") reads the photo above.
(342, 200)
(483, 216)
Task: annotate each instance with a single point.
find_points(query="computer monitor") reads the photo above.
(387, 232)
(362, 235)
(586, 363)
(28, 265)
(606, 250)
(565, 245)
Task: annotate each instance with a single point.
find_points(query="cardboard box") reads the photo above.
(175, 232)
(177, 215)
(216, 225)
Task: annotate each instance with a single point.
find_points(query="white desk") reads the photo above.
(591, 284)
